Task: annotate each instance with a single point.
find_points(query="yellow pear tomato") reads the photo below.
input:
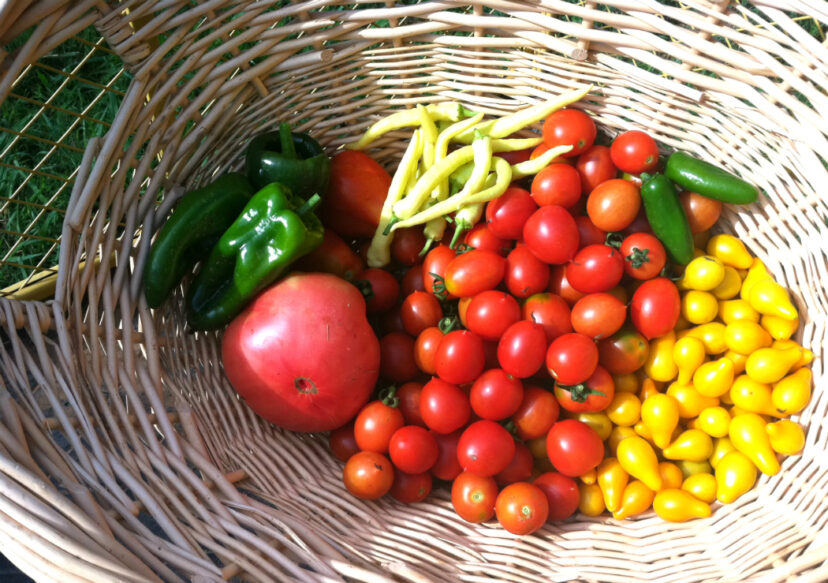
(659, 365)
(736, 310)
(691, 445)
(612, 479)
(793, 393)
(806, 358)
(744, 336)
(639, 459)
(598, 420)
(699, 307)
(752, 396)
(730, 286)
(690, 401)
(711, 334)
(757, 272)
(713, 379)
(625, 383)
(714, 421)
(677, 505)
(748, 434)
(637, 498)
(660, 415)
(786, 437)
(738, 361)
(768, 297)
(690, 468)
(671, 476)
(770, 365)
(591, 477)
(688, 355)
(735, 475)
(592, 500)
(624, 409)
(618, 433)
(721, 447)
(730, 251)
(701, 486)
(702, 273)
(779, 328)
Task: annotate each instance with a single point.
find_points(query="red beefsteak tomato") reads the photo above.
(303, 354)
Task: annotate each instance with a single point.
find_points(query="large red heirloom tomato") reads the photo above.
(302, 354)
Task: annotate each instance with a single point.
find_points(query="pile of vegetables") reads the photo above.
(543, 324)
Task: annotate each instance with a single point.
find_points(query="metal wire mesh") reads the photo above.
(56, 105)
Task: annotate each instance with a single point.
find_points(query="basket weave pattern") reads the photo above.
(124, 453)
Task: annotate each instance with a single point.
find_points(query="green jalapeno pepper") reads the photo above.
(290, 158)
(195, 226)
(708, 180)
(271, 232)
(666, 217)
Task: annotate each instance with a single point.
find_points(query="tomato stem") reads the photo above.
(439, 286)
(614, 240)
(580, 392)
(388, 397)
(449, 323)
(638, 257)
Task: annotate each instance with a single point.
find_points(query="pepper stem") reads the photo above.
(286, 139)
(460, 228)
(391, 222)
(309, 205)
(429, 242)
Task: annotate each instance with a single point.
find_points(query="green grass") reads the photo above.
(32, 204)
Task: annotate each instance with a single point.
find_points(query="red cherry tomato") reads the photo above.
(640, 224)
(559, 285)
(525, 273)
(655, 307)
(391, 321)
(596, 268)
(481, 237)
(470, 273)
(591, 396)
(552, 234)
(557, 184)
(506, 214)
(495, 395)
(446, 467)
(473, 497)
(444, 407)
(624, 352)
(490, 313)
(434, 269)
(420, 310)
(519, 469)
(572, 358)
(397, 362)
(343, 443)
(368, 475)
(574, 447)
(425, 349)
(460, 357)
(516, 156)
(407, 244)
(375, 424)
(598, 315)
(635, 152)
(485, 448)
(409, 396)
(588, 233)
(410, 488)
(380, 289)
(413, 449)
(644, 255)
(550, 311)
(702, 212)
(561, 493)
(614, 204)
(569, 127)
(521, 508)
(594, 167)
(412, 280)
(537, 412)
(521, 349)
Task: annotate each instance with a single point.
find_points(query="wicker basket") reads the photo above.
(124, 453)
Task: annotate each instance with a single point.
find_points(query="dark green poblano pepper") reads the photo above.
(273, 230)
(196, 224)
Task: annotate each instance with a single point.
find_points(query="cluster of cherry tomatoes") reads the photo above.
(491, 349)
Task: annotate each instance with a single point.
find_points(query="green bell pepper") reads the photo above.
(290, 158)
(195, 226)
(256, 249)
